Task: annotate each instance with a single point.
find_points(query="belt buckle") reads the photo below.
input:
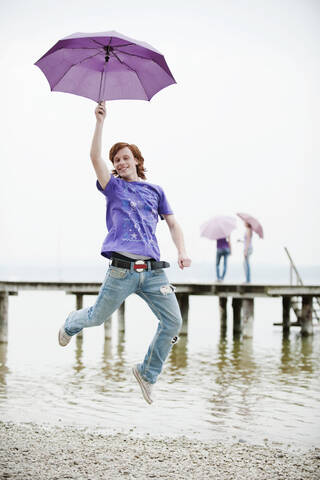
(140, 266)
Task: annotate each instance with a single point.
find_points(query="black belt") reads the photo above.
(139, 265)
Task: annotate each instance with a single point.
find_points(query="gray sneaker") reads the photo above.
(146, 387)
(63, 337)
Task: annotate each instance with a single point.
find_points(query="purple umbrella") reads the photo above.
(218, 227)
(105, 66)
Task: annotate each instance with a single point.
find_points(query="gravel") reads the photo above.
(55, 453)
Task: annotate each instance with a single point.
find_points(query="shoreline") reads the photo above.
(63, 452)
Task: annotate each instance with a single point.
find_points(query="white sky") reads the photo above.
(239, 131)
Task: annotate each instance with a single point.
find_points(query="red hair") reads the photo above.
(135, 152)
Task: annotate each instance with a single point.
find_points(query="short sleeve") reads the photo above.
(164, 206)
(108, 188)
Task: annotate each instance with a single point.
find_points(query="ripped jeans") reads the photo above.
(154, 288)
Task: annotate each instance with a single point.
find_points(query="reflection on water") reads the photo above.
(78, 366)
(178, 358)
(214, 386)
(297, 354)
(3, 362)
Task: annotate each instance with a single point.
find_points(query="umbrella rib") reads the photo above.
(68, 48)
(124, 45)
(101, 44)
(110, 40)
(135, 55)
(73, 65)
(77, 48)
(140, 56)
(124, 63)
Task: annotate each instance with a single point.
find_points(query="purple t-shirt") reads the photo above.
(132, 216)
(222, 243)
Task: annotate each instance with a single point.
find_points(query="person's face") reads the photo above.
(125, 164)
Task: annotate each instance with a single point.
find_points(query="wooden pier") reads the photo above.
(241, 295)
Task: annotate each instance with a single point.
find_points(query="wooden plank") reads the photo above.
(77, 292)
(199, 288)
(75, 286)
(295, 290)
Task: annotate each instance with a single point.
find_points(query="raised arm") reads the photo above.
(100, 166)
(178, 240)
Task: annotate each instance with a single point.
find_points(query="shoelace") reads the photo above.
(65, 336)
(148, 386)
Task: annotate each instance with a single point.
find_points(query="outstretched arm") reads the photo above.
(178, 240)
(229, 243)
(100, 166)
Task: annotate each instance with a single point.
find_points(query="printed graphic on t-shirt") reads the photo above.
(142, 216)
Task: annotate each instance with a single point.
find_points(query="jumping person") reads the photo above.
(133, 207)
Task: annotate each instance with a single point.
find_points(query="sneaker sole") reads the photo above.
(138, 378)
(60, 343)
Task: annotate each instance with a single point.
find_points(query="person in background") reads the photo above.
(223, 251)
(247, 251)
(133, 207)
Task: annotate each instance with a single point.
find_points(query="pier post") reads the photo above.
(79, 301)
(121, 315)
(183, 300)
(108, 328)
(223, 313)
(247, 317)
(79, 305)
(4, 304)
(306, 316)
(236, 305)
(286, 305)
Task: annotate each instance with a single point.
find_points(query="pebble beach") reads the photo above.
(64, 452)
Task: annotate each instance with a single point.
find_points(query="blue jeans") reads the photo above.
(246, 265)
(154, 288)
(222, 252)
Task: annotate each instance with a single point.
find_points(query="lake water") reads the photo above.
(214, 386)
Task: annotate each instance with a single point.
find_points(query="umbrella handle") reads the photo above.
(107, 49)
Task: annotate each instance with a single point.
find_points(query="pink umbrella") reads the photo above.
(218, 227)
(253, 222)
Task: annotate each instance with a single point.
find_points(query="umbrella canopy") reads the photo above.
(255, 224)
(105, 66)
(218, 227)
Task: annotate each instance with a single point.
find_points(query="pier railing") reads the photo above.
(296, 301)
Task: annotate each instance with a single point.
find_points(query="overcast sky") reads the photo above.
(239, 131)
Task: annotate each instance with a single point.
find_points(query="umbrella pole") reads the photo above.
(100, 86)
